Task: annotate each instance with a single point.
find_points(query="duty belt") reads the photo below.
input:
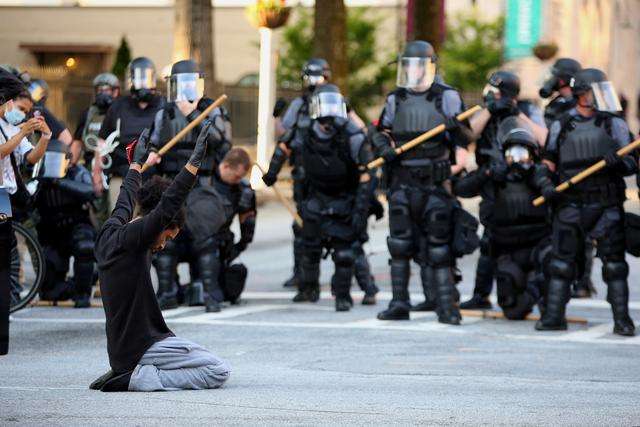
(425, 171)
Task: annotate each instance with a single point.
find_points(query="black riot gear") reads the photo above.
(583, 80)
(186, 82)
(104, 100)
(185, 66)
(141, 78)
(563, 70)
(419, 49)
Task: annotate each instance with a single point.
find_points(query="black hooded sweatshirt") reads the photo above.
(123, 252)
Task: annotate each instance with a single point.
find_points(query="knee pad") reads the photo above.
(83, 238)
(312, 252)
(561, 268)
(615, 270)
(438, 226)
(439, 256)
(399, 216)
(567, 242)
(399, 248)
(344, 257)
(511, 280)
(613, 245)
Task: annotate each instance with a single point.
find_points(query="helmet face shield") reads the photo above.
(490, 91)
(605, 97)
(54, 165)
(519, 154)
(37, 91)
(415, 73)
(313, 80)
(185, 87)
(142, 78)
(327, 104)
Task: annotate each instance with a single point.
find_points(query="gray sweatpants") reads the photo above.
(178, 364)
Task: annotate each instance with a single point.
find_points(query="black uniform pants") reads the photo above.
(572, 225)
(520, 277)
(327, 225)
(59, 244)
(421, 228)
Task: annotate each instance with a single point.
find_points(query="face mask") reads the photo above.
(103, 101)
(144, 95)
(14, 116)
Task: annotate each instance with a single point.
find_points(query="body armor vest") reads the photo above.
(303, 124)
(328, 165)
(514, 218)
(58, 207)
(173, 121)
(580, 145)
(415, 114)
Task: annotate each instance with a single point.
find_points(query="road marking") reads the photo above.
(41, 388)
(178, 311)
(229, 313)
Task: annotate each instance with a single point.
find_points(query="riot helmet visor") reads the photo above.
(605, 97)
(327, 104)
(142, 78)
(415, 73)
(185, 87)
(519, 154)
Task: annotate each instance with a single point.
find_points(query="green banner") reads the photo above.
(522, 27)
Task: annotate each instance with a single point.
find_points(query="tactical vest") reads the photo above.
(514, 218)
(328, 165)
(302, 126)
(580, 145)
(238, 199)
(415, 114)
(173, 121)
(58, 207)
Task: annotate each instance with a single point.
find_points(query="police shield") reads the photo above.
(54, 163)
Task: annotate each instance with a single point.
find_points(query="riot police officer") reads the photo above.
(518, 231)
(558, 84)
(228, 195)
(335, 208)
(592, 208)
(186, 101)
(501, 103)
(315, 73)
(65, 228)
(106, 88)
(557, 87)
(126, 118)
(420, 206)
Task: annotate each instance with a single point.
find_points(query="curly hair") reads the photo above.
(149, 196)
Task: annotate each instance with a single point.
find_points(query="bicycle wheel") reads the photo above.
(27, 268)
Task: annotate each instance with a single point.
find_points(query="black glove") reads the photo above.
(269, 179)
(389, 154)
(203, 104)
(550, 194)
(498, 171)
(452, 123)
(502, 107)
(235, 251)
(278, 109)
(612, 160)
(141, 149)
(200, 150)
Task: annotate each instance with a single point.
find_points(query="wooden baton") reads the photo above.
(425, 136)
(589, 171)
(284, 201)
(173, 141)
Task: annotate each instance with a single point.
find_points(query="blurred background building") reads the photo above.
(68, 41)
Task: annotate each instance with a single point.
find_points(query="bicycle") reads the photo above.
(27, 268)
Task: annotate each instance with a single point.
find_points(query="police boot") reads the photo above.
(400, 303)
(309, 290)
(477, 302)
(209, 266)
(295, 280)
(583, 287)
(429, 303)
(344, 260)
(366, 282)
(195, 294)
(447, 310)
(615, 274)
(165, 265)
(556, 298)
(83, 269)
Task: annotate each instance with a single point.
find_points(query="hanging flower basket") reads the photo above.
(268, 13)
(545, 51)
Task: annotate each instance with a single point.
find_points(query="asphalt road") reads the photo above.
(307, 365)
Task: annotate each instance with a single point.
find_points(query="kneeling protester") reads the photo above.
(143, 352)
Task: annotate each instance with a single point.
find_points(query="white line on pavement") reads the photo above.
(228, 313)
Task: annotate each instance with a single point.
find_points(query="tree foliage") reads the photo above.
(473, 48)
(369, 75)
(123, 57)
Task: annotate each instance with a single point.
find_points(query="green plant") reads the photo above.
(369, 74)
(472, 49)
(123, 57)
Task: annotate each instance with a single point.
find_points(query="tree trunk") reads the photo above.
(428, 22)
(193, 37)
(330, 41)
